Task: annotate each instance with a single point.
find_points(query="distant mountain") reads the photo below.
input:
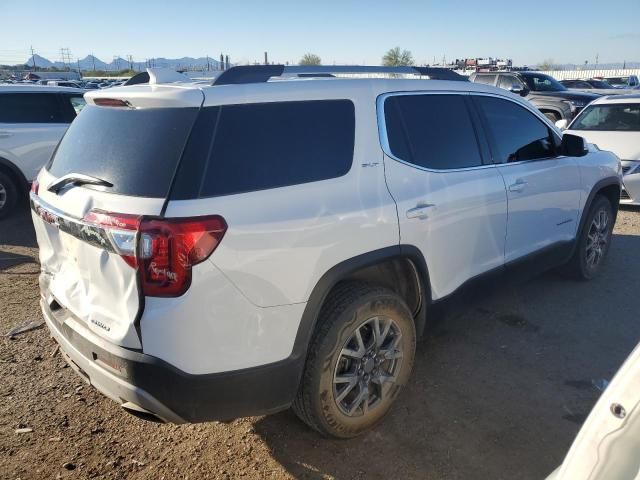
(90, 62)
(600, 66)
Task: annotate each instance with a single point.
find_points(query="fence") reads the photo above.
(585, 74)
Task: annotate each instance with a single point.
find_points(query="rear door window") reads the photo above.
(31, 108)
(250, 147)
(431, 131)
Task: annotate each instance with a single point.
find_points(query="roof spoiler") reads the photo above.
(154, 76)
(262, 73)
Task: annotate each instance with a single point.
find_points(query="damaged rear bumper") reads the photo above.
(152, 388)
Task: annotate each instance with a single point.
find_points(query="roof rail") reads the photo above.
(262, 73)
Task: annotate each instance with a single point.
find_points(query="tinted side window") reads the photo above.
(516, 133)
(486, 79)
(259, 146)
(508, 81)
(30, 108)
(431, 131)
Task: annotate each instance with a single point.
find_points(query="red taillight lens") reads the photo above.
(163, 250)
(170, 247)
(35, 186)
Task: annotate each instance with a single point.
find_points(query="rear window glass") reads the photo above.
(31, 108)
(617, 117)
(486, 79)
(244, 148)
(136, 150)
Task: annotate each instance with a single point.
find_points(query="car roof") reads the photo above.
(182, 94)
(611, 99)
(26, 88)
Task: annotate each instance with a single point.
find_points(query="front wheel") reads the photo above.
(8, 195)
(594, 241)
(359, 358)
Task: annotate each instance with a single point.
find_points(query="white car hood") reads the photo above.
(626, 145)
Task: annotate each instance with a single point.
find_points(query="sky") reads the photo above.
(341, 32)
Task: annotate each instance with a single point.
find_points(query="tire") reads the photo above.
(554, 117)
(8, 195)
(594, 241)
(324, 403)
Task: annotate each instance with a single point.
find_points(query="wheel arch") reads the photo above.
(609, 187)
(405, 262)
(11, 169)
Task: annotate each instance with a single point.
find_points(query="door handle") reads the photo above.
(420, 211)
(518, 186)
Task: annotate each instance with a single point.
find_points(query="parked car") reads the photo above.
(613, 123)
(32, 121)
(63, 83)
(626, 81)
(606, 447)
(226, 250)
(545, 92)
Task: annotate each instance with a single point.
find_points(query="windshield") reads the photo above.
(543, 83)
(137, 150)
(620, 117)
(617, 80)
(600, 84)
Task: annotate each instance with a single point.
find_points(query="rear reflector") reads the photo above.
(164, 249)
(111, 102)
(35, 186)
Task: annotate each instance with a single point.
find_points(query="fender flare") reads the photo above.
(16, 172)
(341, 271)
(599, 185)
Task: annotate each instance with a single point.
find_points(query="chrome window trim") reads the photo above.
(384, 141)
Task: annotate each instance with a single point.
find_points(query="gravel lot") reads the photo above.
(501, 387)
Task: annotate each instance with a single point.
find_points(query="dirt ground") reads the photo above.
(501, 386)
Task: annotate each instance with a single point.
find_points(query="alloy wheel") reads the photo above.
(597, 238)
(368, 366)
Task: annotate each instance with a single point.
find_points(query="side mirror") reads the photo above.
(573, 146)
(562, 124)
(518, 90)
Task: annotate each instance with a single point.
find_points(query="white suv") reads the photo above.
(210, 252)
(33, 119)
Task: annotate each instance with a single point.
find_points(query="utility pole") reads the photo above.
(221, 62)
(226, 61)
(208, 66)
(130, 58)
(597, 59)
(266, 58)
(33, 58)
(79, 73)
(93, 59)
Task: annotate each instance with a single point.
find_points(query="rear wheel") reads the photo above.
(358, 360)
(8, 195)
(593, 243)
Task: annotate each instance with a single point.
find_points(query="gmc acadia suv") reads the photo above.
(552, 98)
(276, 239)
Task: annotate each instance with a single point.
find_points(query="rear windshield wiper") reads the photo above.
(76, 179)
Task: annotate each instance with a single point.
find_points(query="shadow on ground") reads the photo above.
(501, 384)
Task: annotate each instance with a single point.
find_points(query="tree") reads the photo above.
(547, 65)
(397, 58)
(310, 59)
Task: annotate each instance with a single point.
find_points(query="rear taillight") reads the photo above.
(163, 250)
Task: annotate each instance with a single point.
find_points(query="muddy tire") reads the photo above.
(361, 355)
(594, 241)
(8, 195)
